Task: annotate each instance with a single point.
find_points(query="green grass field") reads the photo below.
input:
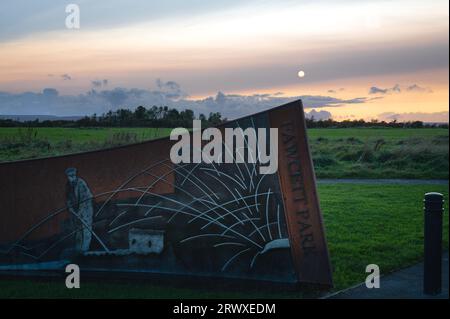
(365, 224)
(26, 143)
(83, 135)
(389, 134)
(337, 153)
(380, 153)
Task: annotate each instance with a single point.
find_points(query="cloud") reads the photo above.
(397, 89)
(318, 115)
(346, 62)
(235, 105)
(334, 91)
(170, 93)
(50, 93)
(274, 67)
(435, 117)
(96, 83)
(376, 90)
(20, 17)
(170, 89)
(99, 83)
(66, 77)
(416, 88)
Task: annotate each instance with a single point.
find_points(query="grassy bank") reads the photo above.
(380, 153)
(365, 224)
(26, 143)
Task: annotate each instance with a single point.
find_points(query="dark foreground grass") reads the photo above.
(366, 224)
(375, 224)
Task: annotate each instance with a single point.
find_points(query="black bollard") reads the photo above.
(432, 272)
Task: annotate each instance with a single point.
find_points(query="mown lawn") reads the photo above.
(366, 224)
(337, 153)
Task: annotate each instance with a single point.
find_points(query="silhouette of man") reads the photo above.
(79, 203)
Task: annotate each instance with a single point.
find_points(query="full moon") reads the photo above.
(301, 74)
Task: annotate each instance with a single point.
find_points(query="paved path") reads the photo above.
(384, 181)
(406, 284)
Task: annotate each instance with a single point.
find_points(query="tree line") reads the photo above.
(155, 116)
(164, 116)
(329, 123)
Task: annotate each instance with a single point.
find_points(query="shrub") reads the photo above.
(354, 140)
(121, 138)
(322, 140)
(385, 156)
(324, 160)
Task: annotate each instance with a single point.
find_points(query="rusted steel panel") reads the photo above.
(131, 209)
(298, 185)
(31, 189)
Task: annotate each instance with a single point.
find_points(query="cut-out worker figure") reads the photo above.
(79, 203)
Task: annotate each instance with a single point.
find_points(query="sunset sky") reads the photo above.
(362, 59)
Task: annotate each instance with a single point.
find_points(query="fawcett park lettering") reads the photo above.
(300, 199)
(236, 201)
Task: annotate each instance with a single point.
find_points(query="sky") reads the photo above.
(371, 59)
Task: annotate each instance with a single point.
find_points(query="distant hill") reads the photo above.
(25, 118)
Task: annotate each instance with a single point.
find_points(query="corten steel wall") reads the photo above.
(301, 201)
(31, 189)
